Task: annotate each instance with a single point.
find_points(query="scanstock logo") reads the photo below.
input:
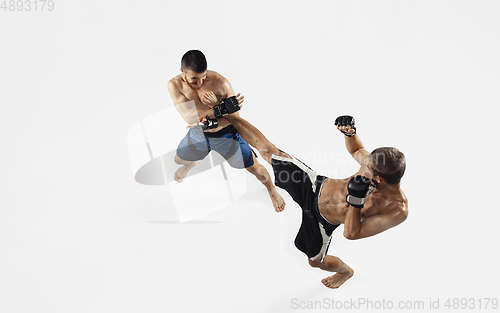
(209, 187)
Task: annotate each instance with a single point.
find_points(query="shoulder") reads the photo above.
(397, 211)
(213, 75)
(361, 156)
(175, 82)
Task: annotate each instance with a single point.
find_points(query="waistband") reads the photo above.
(226, 130)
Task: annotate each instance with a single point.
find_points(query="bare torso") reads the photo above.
(333, 205)
(215, 83)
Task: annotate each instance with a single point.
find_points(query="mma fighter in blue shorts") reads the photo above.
(367, 203)
(194, 92)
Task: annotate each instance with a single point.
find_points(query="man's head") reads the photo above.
(194, 67)
(387, 164)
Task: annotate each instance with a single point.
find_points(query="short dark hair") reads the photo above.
(388, 163)
(194, 60)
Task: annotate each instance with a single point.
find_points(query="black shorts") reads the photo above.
(304, 185)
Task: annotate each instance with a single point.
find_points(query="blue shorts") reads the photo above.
(227, 142)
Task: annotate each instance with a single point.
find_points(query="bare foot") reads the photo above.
(181, 173)
(338, 279)
(278, 201)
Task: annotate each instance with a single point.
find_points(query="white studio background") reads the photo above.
(78, 234)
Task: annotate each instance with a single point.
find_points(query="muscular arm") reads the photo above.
(356, 149)
(346, 125)
(187, 108)
(355, 229)
(229, 92)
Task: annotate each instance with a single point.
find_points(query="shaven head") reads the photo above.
(388, 163)
(194, 60)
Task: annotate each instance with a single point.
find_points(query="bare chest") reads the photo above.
(332, 202)
(198, 94)
(333, 205)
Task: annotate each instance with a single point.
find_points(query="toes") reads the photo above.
(328, 285)
(328, 282)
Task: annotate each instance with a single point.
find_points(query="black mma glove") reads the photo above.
(208, 124)
(346, 120)
(358, 188)
(226, 106)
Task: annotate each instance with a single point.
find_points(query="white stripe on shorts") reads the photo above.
(312, 174)
(326, 243)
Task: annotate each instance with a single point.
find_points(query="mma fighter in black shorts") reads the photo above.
(367, 203)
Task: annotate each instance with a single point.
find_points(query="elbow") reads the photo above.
(350, 236)
(353, 152)
(190, 117)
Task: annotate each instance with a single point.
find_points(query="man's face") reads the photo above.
(195, 80)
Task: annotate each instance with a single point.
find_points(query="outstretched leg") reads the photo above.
(254, 137)
(263, 176)
(333, 264)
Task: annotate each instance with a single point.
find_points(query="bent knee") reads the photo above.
(178, 160)
(254, 168)
(315, 263)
